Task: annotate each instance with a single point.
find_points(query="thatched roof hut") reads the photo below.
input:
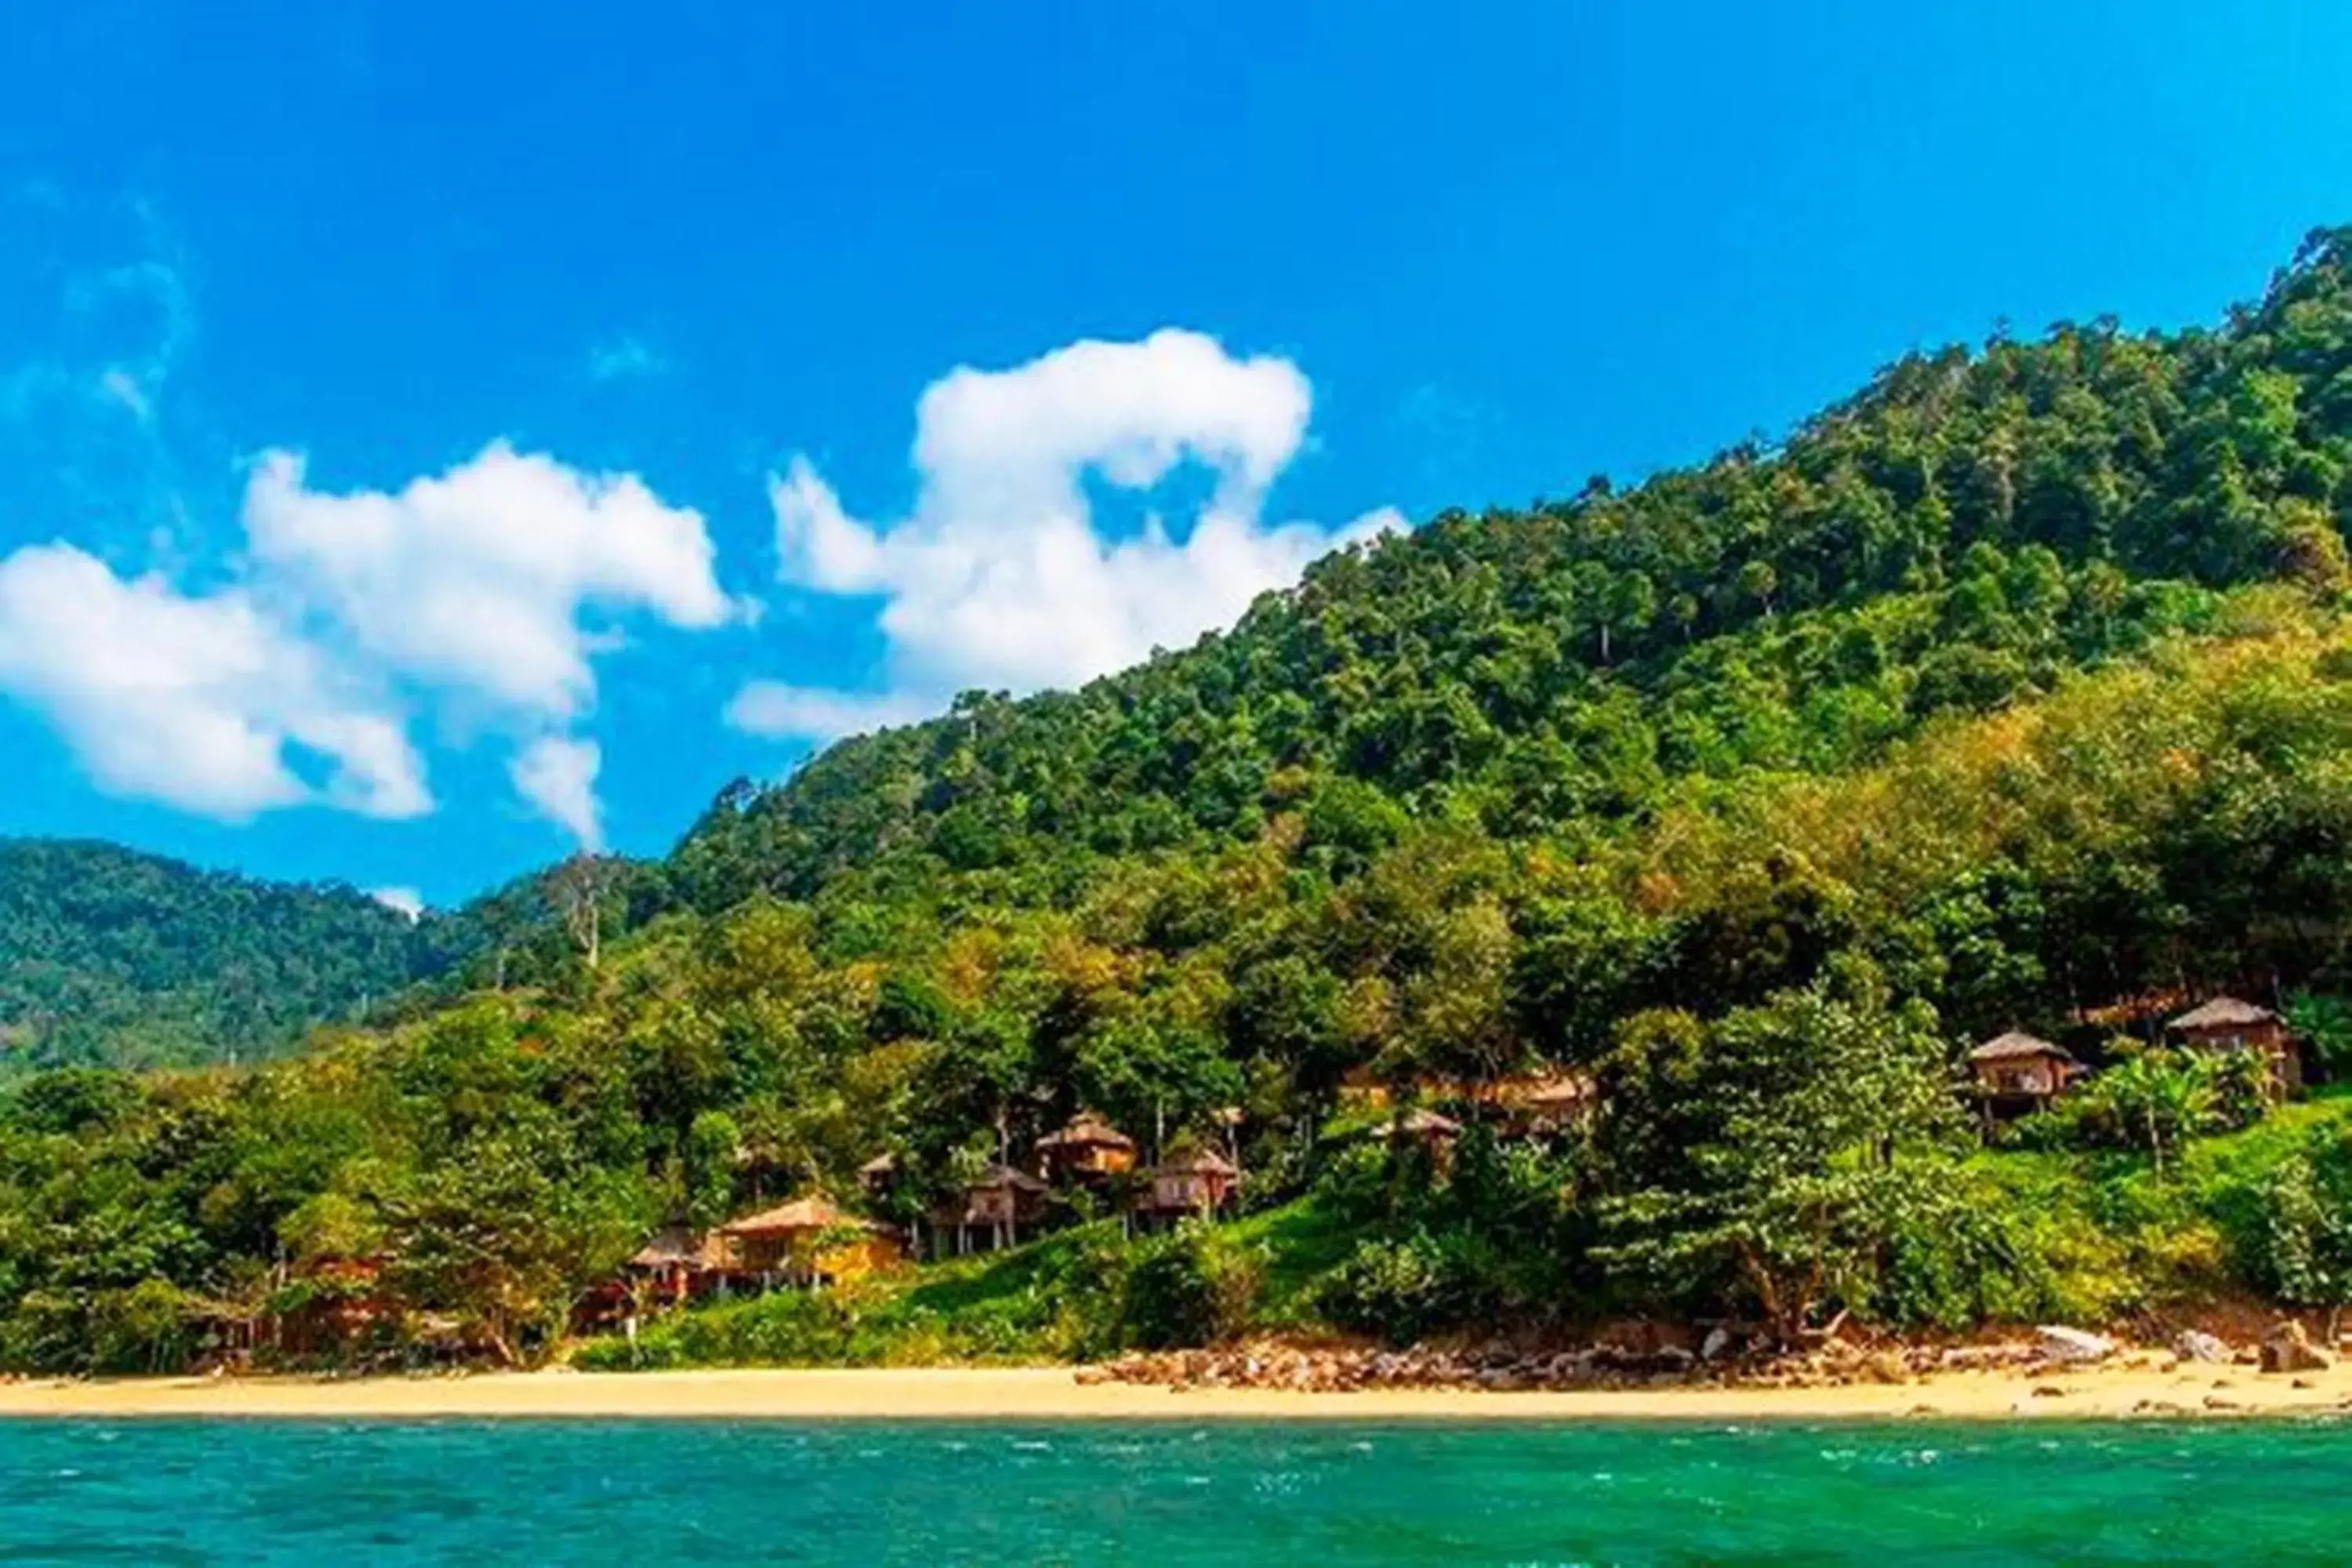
(2017, 1046)
(1193, 1179)
(2223, 1012)
(2228, 1024)
(674, 1247)
(1087, 1146)
(811, 1240)
(802, 1216)
(2016, 1073)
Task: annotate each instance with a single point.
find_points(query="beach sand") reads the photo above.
(1052, 1393)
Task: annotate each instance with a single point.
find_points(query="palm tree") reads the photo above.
(2160, 1102)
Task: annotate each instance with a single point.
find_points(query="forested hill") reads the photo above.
(1955, 537)
(1960, 535)
(110, 955)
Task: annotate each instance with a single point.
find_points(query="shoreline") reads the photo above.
(1054, 1394)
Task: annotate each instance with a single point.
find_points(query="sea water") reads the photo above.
(330, 1495)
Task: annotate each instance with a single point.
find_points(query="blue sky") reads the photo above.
(431, 435)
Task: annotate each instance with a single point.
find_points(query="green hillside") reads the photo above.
(2017, 684)
(111, 956)
(1953, 537)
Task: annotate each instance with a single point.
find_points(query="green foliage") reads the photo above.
(1776, 1165)
(1189, 1286)
(2307, 1233)
(109, 957)
(2327, 1021)
(2156, 1100)
(1410, 1287)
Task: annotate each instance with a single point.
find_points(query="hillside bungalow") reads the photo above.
(1433, 1134)
(989, 1214)
(673, 1264)
(1089, 1152)
(677, 1264)
(878, 1175)
(2227, 1023)
(1542, 1106)
(2017, 1073)
(1189, 1181)
(808, 1242)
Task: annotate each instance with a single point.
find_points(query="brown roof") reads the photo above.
(2127, 1011)
(1086, 1129)
(816, 1212)
(672, 1244)
(1565, 1089)
(2220, 1013)
(1196, 1162)
(1006, 1176)
(2018, 1046)
(880, 1166)
(1418, 1120)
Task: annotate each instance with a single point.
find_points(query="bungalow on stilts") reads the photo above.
(2226, 1024)
(2016, 1074)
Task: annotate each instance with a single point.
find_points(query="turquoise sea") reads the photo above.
(330, 1495)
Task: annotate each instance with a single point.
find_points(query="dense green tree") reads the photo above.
(1774, 1157)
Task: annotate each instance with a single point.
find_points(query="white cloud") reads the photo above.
(478, 581)
(201, 703)
(557, 775)
(482, 595)
(405, 901)
(774, 708)
(1000, 577)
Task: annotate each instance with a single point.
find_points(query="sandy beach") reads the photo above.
(1054, 1392)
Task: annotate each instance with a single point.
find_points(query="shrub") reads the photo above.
(1190, 1287)
(2307, 1229)
(1407, 1290)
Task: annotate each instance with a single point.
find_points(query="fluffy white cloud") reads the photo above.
(557, 775)
(405, 901)
(482, 595)
(476, 581)
(202, 703)
(1001, 578)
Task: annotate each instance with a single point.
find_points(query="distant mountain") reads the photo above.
(111, 956)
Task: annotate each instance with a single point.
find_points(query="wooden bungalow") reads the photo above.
(808, 1242)
(2227, 1023)
(2016, 1073)
(677, 1265)
(673, 1264)
(1193, 1181)
(989, 1212)
(878, 1175)
(1536, 1106)
(1420, 1128)
(1089, 1152)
